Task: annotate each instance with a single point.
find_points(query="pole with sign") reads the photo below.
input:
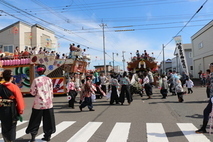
(181, 54)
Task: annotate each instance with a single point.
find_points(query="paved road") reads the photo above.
(153, 120)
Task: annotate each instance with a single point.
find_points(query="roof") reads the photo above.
(12, 25)
(20, 22)
(202, 30)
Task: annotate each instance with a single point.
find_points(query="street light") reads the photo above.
(113, 60)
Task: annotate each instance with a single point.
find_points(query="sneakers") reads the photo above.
(91, 109)
(200, 131)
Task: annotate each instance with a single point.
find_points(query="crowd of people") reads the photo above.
(17, 54)
(117, 87)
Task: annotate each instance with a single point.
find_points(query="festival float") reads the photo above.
(141, 63)
(57, 69)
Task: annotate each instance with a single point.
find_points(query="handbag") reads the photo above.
(93, 96)
(108, 94)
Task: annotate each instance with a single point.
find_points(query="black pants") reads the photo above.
(114, 95)
(148, 89)
(48, 121)
(73, 95)
(180, 96)
(87, 102)
(164, 92)
(207, 111)
(8, 124)
(125, 92)
(190, 90)
(208, 92)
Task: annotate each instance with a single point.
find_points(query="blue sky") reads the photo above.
(154, 22)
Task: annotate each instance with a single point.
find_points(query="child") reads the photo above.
(179, 90)
(189, 84)
(71, 90)
(164, 87)
(82, 91)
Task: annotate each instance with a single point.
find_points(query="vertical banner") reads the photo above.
(181, 54)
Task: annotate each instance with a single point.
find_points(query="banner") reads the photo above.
(181, 54)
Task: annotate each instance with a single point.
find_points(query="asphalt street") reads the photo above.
(144, 120)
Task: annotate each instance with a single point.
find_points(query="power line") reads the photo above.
(185, 24)
(188, 21)
(110, 4)
(20, 10)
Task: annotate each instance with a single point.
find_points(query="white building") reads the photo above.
(167, 66)
(23, 35)
(202, 43)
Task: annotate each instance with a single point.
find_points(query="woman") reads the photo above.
(114, 89)
(11, 106)
(42, 89)
(164, 86)
(103, 79)
(88, 90)
(71, 90)
(125, 89)
(179, 89)
(146, 85)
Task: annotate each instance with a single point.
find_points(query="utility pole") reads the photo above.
(103, 25)
(123, 60)
(163, 60)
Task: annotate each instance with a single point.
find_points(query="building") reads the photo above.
(26, 36)
(202, 49)
(176, 64)
(100, 68)
(168, 66)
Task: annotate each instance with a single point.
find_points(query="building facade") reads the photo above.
(202, 43)
(168, 66)
(23, 35)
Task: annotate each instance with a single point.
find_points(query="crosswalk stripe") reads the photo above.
(156, 133)
(84, 134)
(59, 128)
(119, 133)
(188, 130)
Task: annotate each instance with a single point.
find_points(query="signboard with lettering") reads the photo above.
(181, 54)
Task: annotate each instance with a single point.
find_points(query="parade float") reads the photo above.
(139, 64)
(57, 69)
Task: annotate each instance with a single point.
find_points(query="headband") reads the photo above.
(40, 69)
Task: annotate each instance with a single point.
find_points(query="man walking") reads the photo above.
(42, 89)
(208, 108)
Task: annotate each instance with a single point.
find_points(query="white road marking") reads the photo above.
(188, 130)
(156, 133)
(119, 133)
(85, 133)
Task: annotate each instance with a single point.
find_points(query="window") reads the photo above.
(191, 67)
(200, 45)
(190, 54)
(8, 48)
